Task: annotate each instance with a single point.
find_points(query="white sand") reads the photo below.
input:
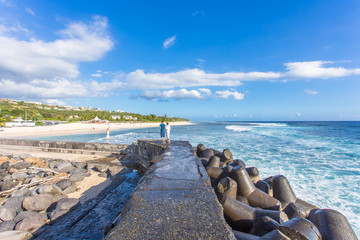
(74, 128)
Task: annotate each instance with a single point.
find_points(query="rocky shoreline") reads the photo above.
(35, 193)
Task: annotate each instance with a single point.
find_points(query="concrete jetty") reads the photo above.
(174, 199)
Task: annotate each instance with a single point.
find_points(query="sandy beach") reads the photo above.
(74, 128)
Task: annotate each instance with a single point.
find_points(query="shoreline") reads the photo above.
(75, 129)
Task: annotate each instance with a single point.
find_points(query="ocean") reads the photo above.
(320, 159)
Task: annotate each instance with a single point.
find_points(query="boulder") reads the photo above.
(41, 174)
(28, 214)
(55, 214)
(7, 225)
(103, 174)
(8, 184)
(31, 223)
(49, 189)
(5, 165)
(39, 202)
(80, 165)
(20, 176)
(76, 177)
(21, 192)
(70, 189)
(65, 167)
(21, 165)
(7, 213)
(15, 235)
(67, 203)
(14, 203)
(64, 183)
(53, 164)
(101, 167)
(24, 156)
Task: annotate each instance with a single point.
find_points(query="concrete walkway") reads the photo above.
(174, 200)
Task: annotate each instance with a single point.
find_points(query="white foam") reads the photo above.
(237, 128)
(269, 124)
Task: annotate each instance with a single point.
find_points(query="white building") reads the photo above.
(19, 122)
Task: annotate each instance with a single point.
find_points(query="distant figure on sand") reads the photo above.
(107, 135)
(168, 128)
(162, 132)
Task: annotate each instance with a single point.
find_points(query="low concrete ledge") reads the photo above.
(53, 145)
(174, 199)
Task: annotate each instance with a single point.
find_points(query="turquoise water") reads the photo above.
(320, 159)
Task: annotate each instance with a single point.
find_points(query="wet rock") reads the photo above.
(39, 202)
(49, 189)
(65, 167)
(20, 176)
(67, 203)
(15, 235)
(15, 203)
(70, 189)
(7, 214)
(32, 222)
(64, 183)
(21, 165)
(7, 225)
(76, 177)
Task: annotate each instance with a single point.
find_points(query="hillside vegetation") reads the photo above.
(11, 109)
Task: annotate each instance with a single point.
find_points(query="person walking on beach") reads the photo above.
(107, 135)
(168, 128)
(162, 132)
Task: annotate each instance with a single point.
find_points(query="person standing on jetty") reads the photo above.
(168, 128)
(107, 135)
(162, 132)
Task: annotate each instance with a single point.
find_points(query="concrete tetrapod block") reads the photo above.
(244, 216)
(284, 193)
(214, 172)
(207, 153)
(200, 149)
(333, 225)
(214, 161)
(246, 188)
(300, 228)
(227, 187)
(275, 235)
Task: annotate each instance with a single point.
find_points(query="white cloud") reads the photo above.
(316, 69)
(173, 94)
(36, 59)
(169, 42)
(30, 11)
(98, 71)
(192, 78)
(311, 92)
(227, 94)
(201, 93)
(96, 75)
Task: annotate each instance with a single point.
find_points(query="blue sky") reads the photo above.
(204, 60)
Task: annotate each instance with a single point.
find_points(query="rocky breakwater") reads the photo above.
(267, 208)
(36, 193)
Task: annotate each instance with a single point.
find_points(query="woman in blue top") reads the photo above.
(162, 132)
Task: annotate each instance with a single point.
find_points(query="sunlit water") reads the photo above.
(320, 159)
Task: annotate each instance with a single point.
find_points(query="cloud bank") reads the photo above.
(39, 69)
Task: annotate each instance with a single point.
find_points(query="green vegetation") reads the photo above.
(41, 112)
